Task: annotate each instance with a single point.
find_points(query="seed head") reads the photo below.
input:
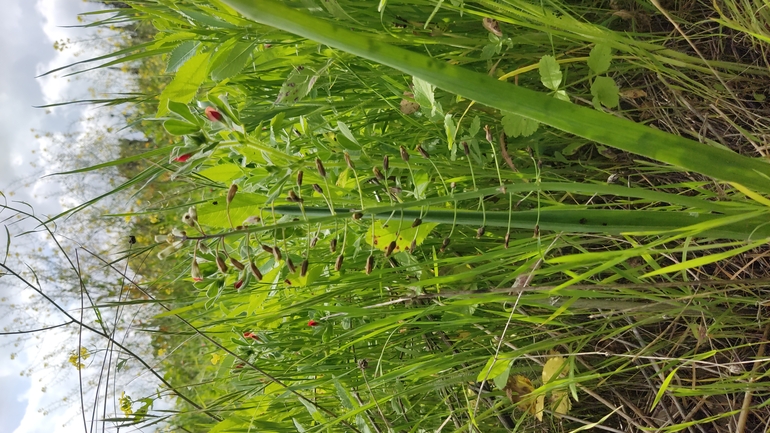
(416, 222)
(267, 249)
(276, 254)
(369, 264)
(349, 161)
(423, 152)
(378, 174)
(231, 193)
(290, 265)
(390, 248)
(319, 165)
(338, 263)
(236, 264)
(333, 245)
(255, 271)
(318, 188)
(303, 268)
(466, 149)
(385, 164)
(404, 153)
(195, 272)
(300, 175)
(480, 232)
(221, 265)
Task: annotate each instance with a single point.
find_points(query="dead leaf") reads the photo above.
(560, 402)
(539, 406)
(518, 388)
(493, 26)
(553, 366)
(623, 14)
(409, 107)
(633, 94)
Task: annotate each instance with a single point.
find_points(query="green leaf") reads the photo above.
(494, 368)
(489, 50)
(183, 111)
(243, 206)
(663, 387)
(515, 125)
(561, 94)
(223, 173)
(450, 129)
(182, 53)
(347, 403)
(232, 61)
(423, 93)
(475, 126)
(186, 82)
(297, 85)
(599, 58)
(344, 130)
(605, 92)
(180, 127)
(550, 72)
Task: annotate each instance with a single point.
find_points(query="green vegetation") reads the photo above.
(456, 215)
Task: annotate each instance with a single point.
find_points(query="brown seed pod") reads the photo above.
(221, 265)
(338, 262)
(390, 248)
(480, 232)
(393, 262)
(537, 231)
(290, 265)
(357, 216)
(422, 152)
(466, 149)
(369, 265)
(444, 244)
(255, 271)
(236, 264)
(416, 222)
(300, 175)
(413, 245)
(313, 241)
(453, 185)
(318, 188)
(492, 26)
(267, 249)
(507, 239)
(349, 161)
(277, 253)
(320, 166)
(303, 268)
(404, 153)
(378, 174)
(231, 193)
(294, 197)
(385, 164)
(333, 245)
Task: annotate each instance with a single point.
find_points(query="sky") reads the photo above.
(30, 28)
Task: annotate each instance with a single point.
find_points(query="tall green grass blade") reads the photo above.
(581, 121)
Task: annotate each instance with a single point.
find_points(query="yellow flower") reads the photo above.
(76, 357)
(215, 358)
(125, 404)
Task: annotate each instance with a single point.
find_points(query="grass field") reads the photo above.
(416, 216)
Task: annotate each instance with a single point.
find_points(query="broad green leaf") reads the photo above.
(550, 72)
(223, 173)
(380, 236)
(494, 367)
(599, 58)
(344, 130)
(231, 62)
(450, 129)
(186, 82)
(475, 126)
(297, 85)
(243, 206)
(518, 126)
(183, 111)
(180, 127)
(182, 53)
(424, 95)
(605, 92)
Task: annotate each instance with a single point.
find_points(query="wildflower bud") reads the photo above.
(231, 193)
(333, 245)
(287, 282)
(303, 268)
(267, 249)
(312, 323)
(319, 165)
(390, 248)
(488, 133)
(416, 222)
(187, 219)
(203, 248)
(369, 264)
(444, 244)
(221, 265)
(251, 335)
(236, 264)
(300, 175)
(238, 284)
(507, 239)
(466, 149)
(423, 152)
(385, 164)
(413, 245)
(255, 271)
(313, 241)
(183, 158)
(537, 231)
(363, 364)
(349, 162)
(378, 174)
(453, 185)
(338, 263)
(480, 232)
(290, 265)
(252, 220)
(357, 216)
(317, 188)
(212, 114)
(195, 272)
(193, 213)
(404, 153)
(276, 254)
(294, 197)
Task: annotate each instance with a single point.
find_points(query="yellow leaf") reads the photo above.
(382, 235)
(560, 402)
(518, 389)
(539, 406)
(553, 366)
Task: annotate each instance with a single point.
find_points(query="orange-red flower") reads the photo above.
(238, 284)
(183, 158)
(312, 323)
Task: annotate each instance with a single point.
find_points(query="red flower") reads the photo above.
(312, 323)
(183, 158)
(212, 114)
(238, 284)
(239, 365)
(251, 335)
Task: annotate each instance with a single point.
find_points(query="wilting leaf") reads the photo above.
(518, 389)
